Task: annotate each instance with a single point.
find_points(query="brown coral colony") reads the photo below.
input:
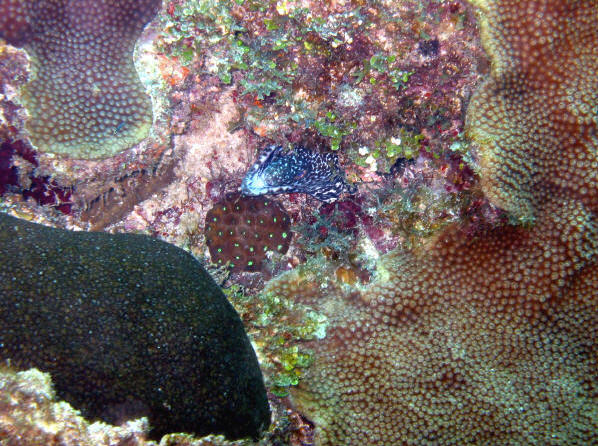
(241, 230)
(84, 97)
(487, 335)
(535, 117)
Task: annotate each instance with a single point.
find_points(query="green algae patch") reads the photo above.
(279, 327)
(127, 326)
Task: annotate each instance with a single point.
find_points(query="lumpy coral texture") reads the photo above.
(242, 230)
(535, 117)
(84, 98)
(483, 341)
(127, 326)
(486, 334)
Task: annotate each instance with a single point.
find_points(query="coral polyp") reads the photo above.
(241, 231)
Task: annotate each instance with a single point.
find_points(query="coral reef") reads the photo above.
(475, 339)
(300, 171)
(487, 333)
(481, 326)
(242, 230)
(128, 326)
(535, 117)
(340, 76)
(84, 97)
(31, 415)
(278, 326)
(343, 76)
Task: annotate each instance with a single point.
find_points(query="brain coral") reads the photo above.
(127, 326)
(241, 230)
(486, 335)
(84, 99)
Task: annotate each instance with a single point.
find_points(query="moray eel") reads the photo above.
(299, 171)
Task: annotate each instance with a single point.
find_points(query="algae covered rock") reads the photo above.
(127, 326)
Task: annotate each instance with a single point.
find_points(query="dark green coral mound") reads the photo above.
(128, 326)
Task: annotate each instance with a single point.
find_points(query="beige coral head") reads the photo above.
(84, 99)
(535, 119)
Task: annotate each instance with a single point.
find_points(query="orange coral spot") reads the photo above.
(260, 130)
(346, 275)
(172, 71)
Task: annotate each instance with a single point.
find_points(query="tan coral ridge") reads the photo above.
(487, 335)
(84, 97)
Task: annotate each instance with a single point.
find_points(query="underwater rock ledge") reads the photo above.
(127, 326)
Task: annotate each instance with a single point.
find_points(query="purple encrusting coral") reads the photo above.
(42, 189)
(8, 172)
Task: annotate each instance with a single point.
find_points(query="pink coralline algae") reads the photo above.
(24, 181)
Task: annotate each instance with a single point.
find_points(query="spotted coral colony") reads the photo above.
(300, 171)
(85, 99)
(241, 231)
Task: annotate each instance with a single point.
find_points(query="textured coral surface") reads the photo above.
(128, 326)
(241, 230)
(486, 335)
(490, 340)
(84, 99)
(535, 117)
(485, 331)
